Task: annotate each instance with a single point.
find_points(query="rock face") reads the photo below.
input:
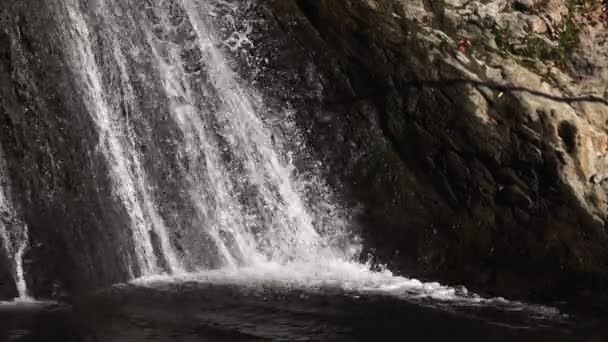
(7, 285)
(59, 182)
(470, 138)
(476, 153)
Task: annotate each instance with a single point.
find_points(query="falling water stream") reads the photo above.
(14, 235)
(237, 174)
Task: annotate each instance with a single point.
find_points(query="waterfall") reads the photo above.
(129, 180)
(19, 273)
(14, 235)
(201, 171)
(238, 199)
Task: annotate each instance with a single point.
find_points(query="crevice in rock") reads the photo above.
(568, 133)
(311, 9)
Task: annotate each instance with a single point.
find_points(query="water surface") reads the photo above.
(296, 303)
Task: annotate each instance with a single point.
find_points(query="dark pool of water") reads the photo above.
(206, 312)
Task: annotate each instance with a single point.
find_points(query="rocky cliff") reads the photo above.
(469, 137)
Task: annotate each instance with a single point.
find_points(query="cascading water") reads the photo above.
(247, 199)
(126, 171)
(19, 273)
(14, 235)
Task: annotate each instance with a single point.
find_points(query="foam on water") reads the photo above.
(347, 277)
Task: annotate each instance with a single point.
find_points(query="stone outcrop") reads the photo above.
(471, 135)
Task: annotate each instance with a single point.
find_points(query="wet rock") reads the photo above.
(58, 179)
(489, 136)
(8, 291)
